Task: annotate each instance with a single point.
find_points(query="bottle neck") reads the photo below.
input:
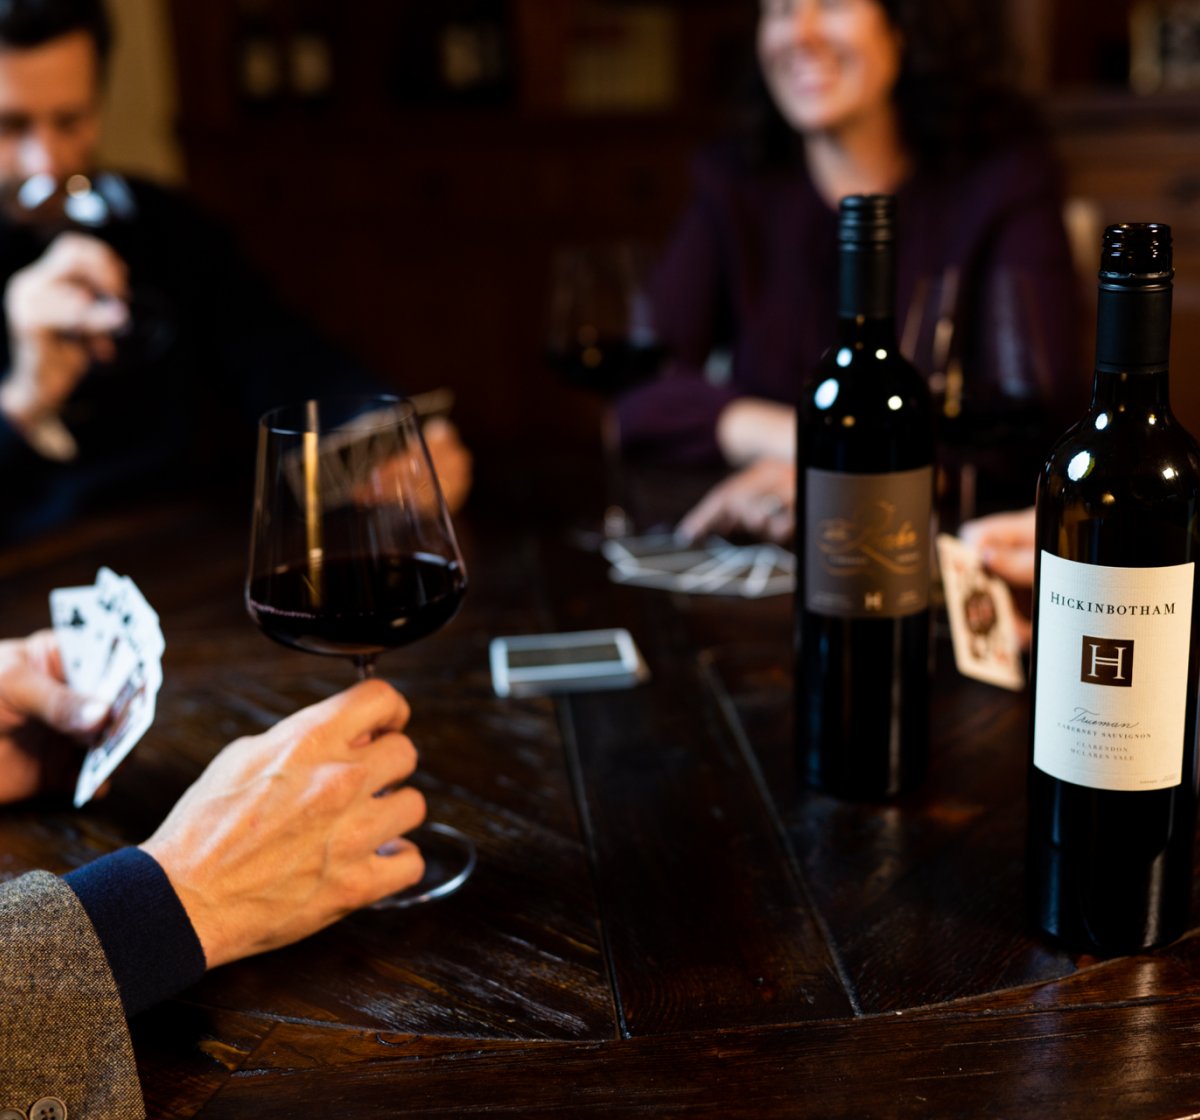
(1131, 392)
(1133, 342)
(872, 333)
(867, 293)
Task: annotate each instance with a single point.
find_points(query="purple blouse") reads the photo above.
(986, 294)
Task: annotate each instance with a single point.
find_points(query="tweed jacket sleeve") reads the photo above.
(63, 1033)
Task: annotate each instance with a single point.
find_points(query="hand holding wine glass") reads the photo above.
(279, 837)
(353, 552)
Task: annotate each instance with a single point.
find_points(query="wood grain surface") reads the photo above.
(660, 924)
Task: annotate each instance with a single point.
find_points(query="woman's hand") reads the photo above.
(1005, 541)
(760, 500)
(1006, 545)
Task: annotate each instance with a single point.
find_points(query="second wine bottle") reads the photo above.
(1113, 779)
(865, 489)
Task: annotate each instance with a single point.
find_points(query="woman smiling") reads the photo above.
(905, 97)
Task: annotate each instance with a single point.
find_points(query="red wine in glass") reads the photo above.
(608, 365)
(370, 605)
(353, 553)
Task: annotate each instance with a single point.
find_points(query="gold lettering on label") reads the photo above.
(871, 535)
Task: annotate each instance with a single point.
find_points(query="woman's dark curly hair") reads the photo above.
(956, 96)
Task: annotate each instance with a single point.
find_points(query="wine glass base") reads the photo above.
(449, 860)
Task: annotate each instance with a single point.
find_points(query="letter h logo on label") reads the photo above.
(1107, 661)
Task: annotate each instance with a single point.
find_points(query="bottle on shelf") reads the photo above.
(865, 490)
(1113, 781)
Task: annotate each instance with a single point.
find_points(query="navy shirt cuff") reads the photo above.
(152, 949)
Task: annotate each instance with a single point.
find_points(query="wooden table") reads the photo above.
(658, 924)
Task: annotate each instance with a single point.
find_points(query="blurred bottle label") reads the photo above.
(867, 547)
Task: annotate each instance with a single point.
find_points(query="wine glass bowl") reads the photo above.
(353, 553)
(600, 332)
(600, 337)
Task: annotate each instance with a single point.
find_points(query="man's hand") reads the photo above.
(39, 719)
(62, 311)
(286, 832)
(760, 500)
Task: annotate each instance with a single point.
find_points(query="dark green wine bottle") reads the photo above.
(865, 487)
(1112, 781)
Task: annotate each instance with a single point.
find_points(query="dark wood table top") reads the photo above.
(659, 924)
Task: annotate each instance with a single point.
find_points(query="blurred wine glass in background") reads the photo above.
(600, 337)
(990, 386)
(600, 334)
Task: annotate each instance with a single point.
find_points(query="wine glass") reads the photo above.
(352, 553)
(989, 384)
(600, 336)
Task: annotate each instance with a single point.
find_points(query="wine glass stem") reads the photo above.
(365, 666)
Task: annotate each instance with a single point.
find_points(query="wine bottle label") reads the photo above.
(867, 543)
(1112, 672)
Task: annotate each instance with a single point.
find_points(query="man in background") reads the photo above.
(139, 341)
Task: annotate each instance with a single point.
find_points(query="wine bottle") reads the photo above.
(865, 488)
(1112, 780)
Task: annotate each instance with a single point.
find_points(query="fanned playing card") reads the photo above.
(112, 647)
(715, 567)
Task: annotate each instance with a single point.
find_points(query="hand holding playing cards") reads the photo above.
(759, 499)
(61, 312)
(285, 833)
(1005, 543)
(39, 718)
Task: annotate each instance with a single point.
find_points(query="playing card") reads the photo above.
(715, 567)
(112, 647)
(76, 618)
(772, 573)
(982, 619)
(716, 573)
(139, 620)
(130, 718)
(659, 552)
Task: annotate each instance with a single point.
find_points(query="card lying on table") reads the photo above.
(714, 567)
(112, 647)
(581, 661)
